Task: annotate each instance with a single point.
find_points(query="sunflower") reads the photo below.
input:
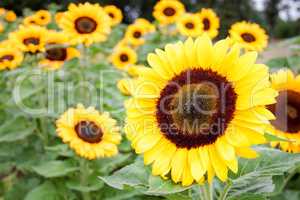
(287, 110)
(2, 11)
(114, 13)
(210, 21)
(168, 11)
(123, 57)
(90, 134)
(30, 20)
(57, 51)
(85, 23)
(192, 117)
(250, 35)
(29, 38)
(190, 25)
(134, 34)
(10, 16)
(58, 17)
(146, 24)
(1, 27)
(43, 17)
(125, 86)
(10, 58)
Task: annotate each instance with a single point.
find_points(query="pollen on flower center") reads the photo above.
(206, 24)
(189, 25)
(88, 131)
(85, 25)
(195, 107)
(31, 40)
(169, 11)
(248, 37)
(124, 57)
(287, 111)
(58, 54)
(6, 57)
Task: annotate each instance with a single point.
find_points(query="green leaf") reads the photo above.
(158, 186)
(55, 169)
(60, 149)
(16, 135)
(46, 191)
(132, 175)
(273, 138)
(92, 184)
(256, 176)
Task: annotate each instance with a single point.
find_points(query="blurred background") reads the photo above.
(280, 17)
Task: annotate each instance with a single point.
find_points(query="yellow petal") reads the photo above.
(217, 164)
(204, 52)
(246, 153)
(178, 164)
(225, 150)
(197, 169)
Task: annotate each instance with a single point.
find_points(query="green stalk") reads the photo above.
(207, 191)
(84, 174)
(225, 192)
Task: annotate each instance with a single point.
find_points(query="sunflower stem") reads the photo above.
(206, 191)
(225, 191)
(84, 174)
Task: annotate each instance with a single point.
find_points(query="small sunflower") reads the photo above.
(58, 17)
(210, 21)
(90, 134)
(114, 13)
(287, 110)
(134, 34)
(168, 11)
(146, 24)
(189, 25)
(10, 16)
(30, 20)
(43, 17)
(250, 35)
(57, 51)
(29, 38)
(10, 58)
(123, 57)
(2, 11)
(85, 23)
(125, 86)
(1, 27)
(198, 108)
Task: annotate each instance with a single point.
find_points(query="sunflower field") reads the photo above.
(95, 109)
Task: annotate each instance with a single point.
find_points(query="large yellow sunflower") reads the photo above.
(287, 110)
(134, 34)
(29, 38)
(90, 134)
(250, 35)
(190, 25)
(210, 21)
(85, 23)
(57, 51)
(10, 58)
(42, 17)
(123, 57)
(114, 13)
(168, 11)
(198, 108)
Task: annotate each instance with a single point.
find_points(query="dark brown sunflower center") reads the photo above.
(137, 34)
(189, 25)
(85, 25)
(195, 108)
(287, 112)
(89, 131)
(206, 24)
(56, 54)
(31, 40)
(111, 15)
(6, 57)
(124, 57)
(248, 37)
(169, 11)
(43, 17)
